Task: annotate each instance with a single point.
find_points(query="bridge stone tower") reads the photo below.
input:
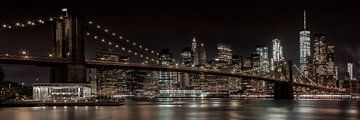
(284, 90)
(69, 44)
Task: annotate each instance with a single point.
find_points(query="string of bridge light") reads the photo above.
(110, 43)
(120, 37)
(256, 69)
(27, 23)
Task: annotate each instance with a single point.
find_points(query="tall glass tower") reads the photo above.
(305, 49)
(277, 52)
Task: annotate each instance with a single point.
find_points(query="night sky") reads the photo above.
(172, 24)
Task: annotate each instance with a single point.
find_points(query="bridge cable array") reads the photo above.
(122, 48)
(121, 38)
(27, 23)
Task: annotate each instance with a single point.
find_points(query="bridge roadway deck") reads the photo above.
(31, 60)
(48, 61)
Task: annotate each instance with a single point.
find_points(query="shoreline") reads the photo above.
(39, 104)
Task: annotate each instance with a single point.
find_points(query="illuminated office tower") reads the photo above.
(277, 52)
(186, 57)
(166, 79)
(319, 58)
(224, 53)
(263, 51)
(331, 68)
(324, 61)
(202, 54)
(349, 73)
(108, 81)
(305, 49)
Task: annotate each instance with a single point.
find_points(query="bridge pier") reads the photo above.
(284, 90)
(69, 44)
(70, 73)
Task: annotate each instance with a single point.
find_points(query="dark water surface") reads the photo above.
(195, 109)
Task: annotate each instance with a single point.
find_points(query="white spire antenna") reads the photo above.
(194, 36)
(304, 20)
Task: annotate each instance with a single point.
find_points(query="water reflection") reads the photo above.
(194, 109)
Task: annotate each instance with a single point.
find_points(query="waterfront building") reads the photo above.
(61, 91)
(135, 82)
(187, 61)
(151, 88)
(108, 82)
(166, 79)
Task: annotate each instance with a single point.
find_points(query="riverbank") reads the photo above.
(60, 103)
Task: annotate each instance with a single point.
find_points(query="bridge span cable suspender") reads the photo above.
(116, 45)
(122, 38)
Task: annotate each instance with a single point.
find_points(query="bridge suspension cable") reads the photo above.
(115, 45)
(302, 75)
(122, 38)
(27, 23)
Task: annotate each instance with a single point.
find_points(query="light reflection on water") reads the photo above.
(194, 109)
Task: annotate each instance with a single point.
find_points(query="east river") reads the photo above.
(195, 109)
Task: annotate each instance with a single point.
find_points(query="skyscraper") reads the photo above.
(108, 81)
(277, 52)
(263, 51)
(166, 79)
(186, 57)
(165, 57)
(195, 51)
(224, 53)
(349, 72)
(202, 54)
(305, 48)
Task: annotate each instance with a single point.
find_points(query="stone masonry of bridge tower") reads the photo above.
(69, 44)
(284, 90)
